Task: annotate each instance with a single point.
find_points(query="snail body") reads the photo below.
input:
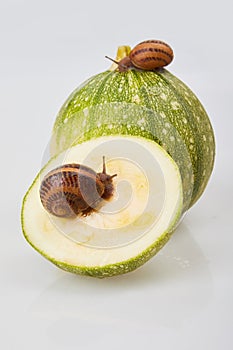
(147, 55)
(124, 64)
(74, 189)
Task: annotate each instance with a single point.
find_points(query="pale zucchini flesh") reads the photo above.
(127, 230)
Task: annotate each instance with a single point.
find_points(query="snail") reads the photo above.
(147, 55)
(74, 189)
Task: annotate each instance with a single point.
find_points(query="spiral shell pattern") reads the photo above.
(70, 190)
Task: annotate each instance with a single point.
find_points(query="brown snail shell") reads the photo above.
(74, 189)
(147, 55)
(151, 54)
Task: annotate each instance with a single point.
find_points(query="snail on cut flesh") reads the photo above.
(74, 189)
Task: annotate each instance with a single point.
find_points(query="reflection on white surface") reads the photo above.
(181, 297)
(165, 293)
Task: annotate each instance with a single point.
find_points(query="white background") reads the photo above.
(182, 298)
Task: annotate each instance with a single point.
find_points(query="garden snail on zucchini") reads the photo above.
(74, 189)
(147, 55)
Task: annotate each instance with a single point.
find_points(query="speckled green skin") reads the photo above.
(154, 105)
